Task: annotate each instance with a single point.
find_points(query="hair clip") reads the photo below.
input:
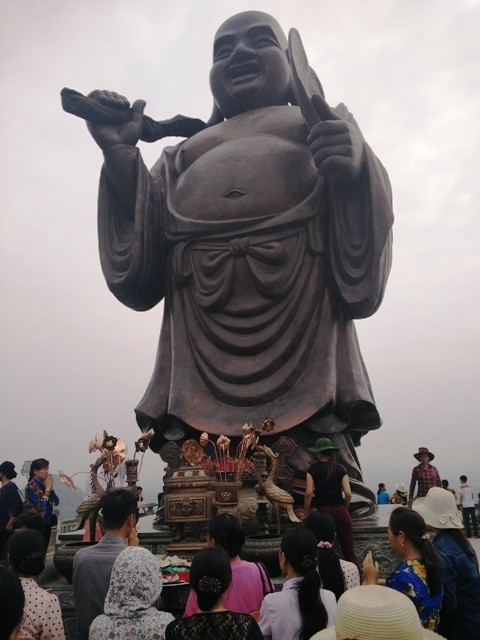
(323, 544)
(309, 562)
(208, 584)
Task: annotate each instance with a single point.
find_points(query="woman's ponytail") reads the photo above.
(300, 549)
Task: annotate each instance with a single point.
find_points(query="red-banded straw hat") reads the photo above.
(421, 450)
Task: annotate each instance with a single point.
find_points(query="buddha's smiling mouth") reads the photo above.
(243, 72)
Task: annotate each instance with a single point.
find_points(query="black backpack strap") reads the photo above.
(267, 585)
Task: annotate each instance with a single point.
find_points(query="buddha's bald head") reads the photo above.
(253, 17)
(250, 66)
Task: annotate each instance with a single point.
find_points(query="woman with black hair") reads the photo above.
(12, 601)
(327, 485)
(302, 607)
(210, 576)
(419, 576)
(383, 496)
(11, 504)
(250, 582)
(43, 617)
(40, 496)
(336, 574)
(460, 615)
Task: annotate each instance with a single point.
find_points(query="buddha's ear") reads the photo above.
(291, 98)
(216, 116)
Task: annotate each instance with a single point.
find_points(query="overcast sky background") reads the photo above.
(74, 360)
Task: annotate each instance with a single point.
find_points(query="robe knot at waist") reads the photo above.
(239, 246)
(268, 252)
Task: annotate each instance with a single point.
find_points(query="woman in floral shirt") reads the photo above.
(40, 496)
(419, 575)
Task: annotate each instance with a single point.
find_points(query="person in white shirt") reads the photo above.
(302, 608)
(467, 504)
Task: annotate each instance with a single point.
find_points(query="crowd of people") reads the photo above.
(434, 591)
(27, 611)
(424, 477)
(34, 505)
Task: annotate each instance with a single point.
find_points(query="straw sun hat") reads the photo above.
(401, 487)
(439, 510)
(370, 612)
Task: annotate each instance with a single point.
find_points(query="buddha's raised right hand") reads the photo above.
(108, 136)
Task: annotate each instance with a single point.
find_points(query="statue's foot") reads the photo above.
(361, 507)
(363, 503)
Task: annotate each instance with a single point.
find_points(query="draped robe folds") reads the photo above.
(258, 315)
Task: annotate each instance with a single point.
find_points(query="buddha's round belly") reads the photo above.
(246, 178)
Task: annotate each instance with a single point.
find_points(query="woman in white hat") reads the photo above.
(460, 615)
(400, 495)
(371, 612)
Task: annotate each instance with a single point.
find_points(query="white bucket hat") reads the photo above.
(439, 510)
(370, 612)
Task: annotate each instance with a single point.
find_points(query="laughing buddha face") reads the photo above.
(250, 65)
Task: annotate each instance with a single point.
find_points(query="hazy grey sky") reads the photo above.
(74, 360)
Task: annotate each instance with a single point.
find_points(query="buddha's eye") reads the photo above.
(223, 52)
(233, 194)
(265, 41)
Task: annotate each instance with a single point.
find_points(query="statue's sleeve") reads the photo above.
(359, 238)
(131, 240)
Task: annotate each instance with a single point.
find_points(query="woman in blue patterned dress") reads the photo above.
(40, 496)
(419, 575)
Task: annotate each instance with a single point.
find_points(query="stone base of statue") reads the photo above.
(371, 534)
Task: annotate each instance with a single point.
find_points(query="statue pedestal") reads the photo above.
(370, 534)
